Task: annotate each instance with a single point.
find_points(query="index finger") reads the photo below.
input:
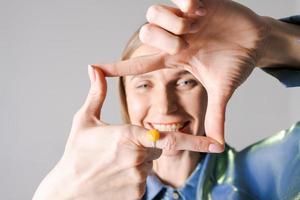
(134, 66)
(178, 141)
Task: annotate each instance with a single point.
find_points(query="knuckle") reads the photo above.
(170, 142)
(78, 116)
(82, 118)
(182, 26)
(178, 44)
(200, 145)
(94, 92)
(127, 132)
(153, 12)
(126, 143)
(137, 158)
(145, 33)
(139, 190)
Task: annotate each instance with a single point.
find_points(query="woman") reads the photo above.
(175, 96)
(102, 161)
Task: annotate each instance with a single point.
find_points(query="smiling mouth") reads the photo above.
(171, 127)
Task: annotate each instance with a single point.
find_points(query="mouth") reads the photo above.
(169, 127)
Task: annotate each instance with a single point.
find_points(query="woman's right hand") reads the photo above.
(100, 161)
(104, 161)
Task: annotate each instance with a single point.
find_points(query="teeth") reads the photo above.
(168, 127)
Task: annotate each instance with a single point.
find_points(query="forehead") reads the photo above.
(145, 50)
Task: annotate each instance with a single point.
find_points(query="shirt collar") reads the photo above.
(153, 187)
(189, 190)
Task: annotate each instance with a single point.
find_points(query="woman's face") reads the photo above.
(167, 99)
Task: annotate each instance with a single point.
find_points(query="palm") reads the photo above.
(222, 55)
(224, 52)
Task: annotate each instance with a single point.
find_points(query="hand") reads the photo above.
(103, 161)
(220, 48)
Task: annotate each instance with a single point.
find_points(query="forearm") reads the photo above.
(282, 45)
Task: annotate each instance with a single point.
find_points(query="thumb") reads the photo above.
(215, 117)
(94, 101)
(191, 6)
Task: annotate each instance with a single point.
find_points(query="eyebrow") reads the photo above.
(180, 73)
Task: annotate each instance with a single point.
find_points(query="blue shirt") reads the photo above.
(157, 190)
(269, 169)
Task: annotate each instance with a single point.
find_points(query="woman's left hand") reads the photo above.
(221, 49)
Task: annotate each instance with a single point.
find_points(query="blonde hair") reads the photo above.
(133, 44)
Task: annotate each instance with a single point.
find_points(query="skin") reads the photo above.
(168, 96)
(103, 161)
(97, 154)
(220, 46)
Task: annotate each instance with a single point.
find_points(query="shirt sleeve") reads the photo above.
(272, 166)
(290, 77)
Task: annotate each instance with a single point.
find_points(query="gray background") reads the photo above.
(45, 47)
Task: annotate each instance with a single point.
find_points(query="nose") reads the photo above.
(165, 102)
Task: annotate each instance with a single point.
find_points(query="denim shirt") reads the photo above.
(155, 189)
(266, 170)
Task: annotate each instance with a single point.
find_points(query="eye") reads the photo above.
(186, 83)
(143, 86)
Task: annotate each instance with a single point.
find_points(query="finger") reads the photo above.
(138, 173)
(183, 141)
(215, 118)
(171, 20)
(176, 141)
(137, 65)
(145, 167)
(192, 6)
(94, 101)
(159, 38)
(152, 154)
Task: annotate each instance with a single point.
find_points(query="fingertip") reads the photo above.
(92, 74)
(216, 148)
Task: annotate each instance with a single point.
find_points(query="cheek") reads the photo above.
(200, 106)
(137, 108)
(195, 105)
(195, 102)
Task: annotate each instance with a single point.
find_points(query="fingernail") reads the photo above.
(215, 148)
(92, 74)
(200, 11)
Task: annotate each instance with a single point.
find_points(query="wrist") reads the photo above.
(281, 46)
